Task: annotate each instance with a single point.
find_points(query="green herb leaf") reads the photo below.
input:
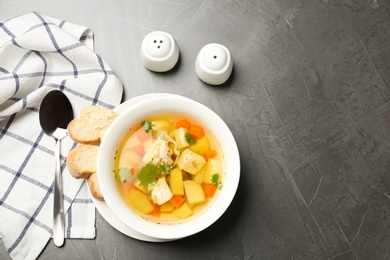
(165, 168)
(147, 126)
(122, 174)
(147, 175)
(189, 138)
(215, 180)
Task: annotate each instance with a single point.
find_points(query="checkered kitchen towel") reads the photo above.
(39, 54)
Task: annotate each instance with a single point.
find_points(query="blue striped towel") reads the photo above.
(39, 54)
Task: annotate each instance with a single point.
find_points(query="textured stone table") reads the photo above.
(309, 106)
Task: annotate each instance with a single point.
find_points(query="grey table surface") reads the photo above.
(308, 103)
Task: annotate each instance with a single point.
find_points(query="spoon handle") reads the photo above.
(58, 207)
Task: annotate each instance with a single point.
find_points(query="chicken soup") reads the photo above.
(168, 168)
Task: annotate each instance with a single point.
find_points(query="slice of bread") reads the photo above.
(88, 132)
(82, 160)
(94, 187)
(92, 124)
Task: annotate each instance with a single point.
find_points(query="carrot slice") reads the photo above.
(134, 170)
(209, 189)
(183, 123)
(177, 200)
(209, 154)
(156, 210)
(141, 134)
(196, 131)
(139, 149)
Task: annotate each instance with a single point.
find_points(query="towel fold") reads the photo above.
(39, 54)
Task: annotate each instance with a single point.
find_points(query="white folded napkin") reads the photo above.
(39, 54)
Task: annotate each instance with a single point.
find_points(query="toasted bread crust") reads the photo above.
(92, 125)
(88, 132)
(81, 161)
(94, 187)
(81, 139)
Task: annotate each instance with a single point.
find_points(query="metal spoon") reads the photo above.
(54, 115)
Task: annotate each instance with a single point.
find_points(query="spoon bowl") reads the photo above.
(54, 115)
(55, 112)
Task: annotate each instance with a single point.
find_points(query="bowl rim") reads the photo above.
(172, 104)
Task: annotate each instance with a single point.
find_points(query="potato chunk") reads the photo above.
(190, 162)
(211, 167)
(161, 125)
(194, 192)
(167, 207)
(202, 145)
(176, 181)
(140, 201)
(183, 211)
(129, 158)
(199, 176)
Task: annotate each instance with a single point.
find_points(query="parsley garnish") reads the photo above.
(147, 175)
(189, 138)
(122, 174)
(215, 180)
(165, 168)
(147, 126)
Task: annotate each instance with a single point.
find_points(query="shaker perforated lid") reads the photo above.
(159, 51)
(214, 64)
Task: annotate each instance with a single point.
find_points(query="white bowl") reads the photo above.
(214, 64)
(138, 113)
(159, 51)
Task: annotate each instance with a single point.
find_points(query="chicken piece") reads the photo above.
(190, 162)
(161, 151)
(181, 141)
(161, 192)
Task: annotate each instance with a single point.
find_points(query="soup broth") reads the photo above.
(168, 168)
